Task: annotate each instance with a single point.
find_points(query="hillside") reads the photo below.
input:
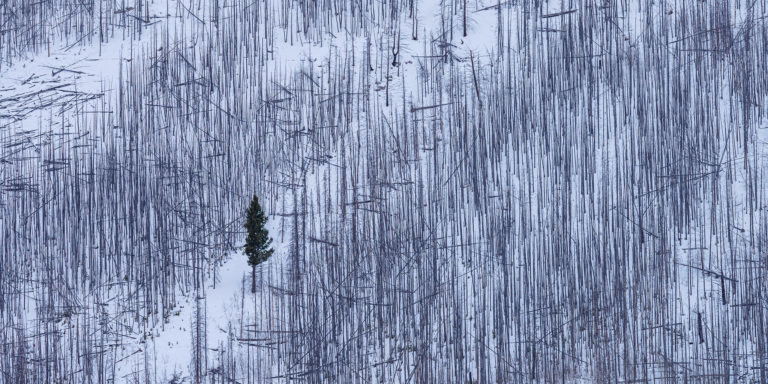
(458, 191)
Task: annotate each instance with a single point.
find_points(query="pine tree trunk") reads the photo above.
(253, 279)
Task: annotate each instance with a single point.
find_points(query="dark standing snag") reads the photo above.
(257, 243)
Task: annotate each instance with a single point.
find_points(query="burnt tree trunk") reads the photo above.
(253, 279)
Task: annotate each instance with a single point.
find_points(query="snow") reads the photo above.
(232, 315)
(170, 344)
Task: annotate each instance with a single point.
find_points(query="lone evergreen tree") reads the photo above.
(257, 243)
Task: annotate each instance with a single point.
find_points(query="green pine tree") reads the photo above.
(257, 243)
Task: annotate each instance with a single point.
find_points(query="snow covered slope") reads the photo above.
(459, 191)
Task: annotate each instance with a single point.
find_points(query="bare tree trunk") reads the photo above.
(253, 279)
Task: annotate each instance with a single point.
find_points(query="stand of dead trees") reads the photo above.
(585, 201)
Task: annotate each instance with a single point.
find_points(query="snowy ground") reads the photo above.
(169, 345)
(34, 91)
(94, 69)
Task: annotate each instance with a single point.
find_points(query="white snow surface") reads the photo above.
(95, 69)
(169, 345)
